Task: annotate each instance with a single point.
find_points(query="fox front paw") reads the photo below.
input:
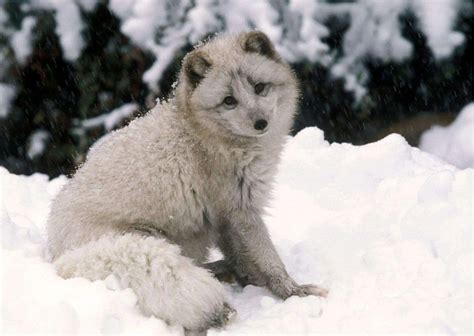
(305, 290)
(286, 287)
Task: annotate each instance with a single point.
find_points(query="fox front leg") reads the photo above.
(246, 244)
(226, 271)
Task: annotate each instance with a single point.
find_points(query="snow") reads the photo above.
(297, 29)
(375, 31)
(69, 23)
(111, 119)
(436, 19)
(141, 19)
(454, 143)
(21, 40)
(37, 143)
(3, 18)
(7, 94)
(386, 227)
(87, 5)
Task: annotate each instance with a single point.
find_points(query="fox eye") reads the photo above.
(230, 101)
(259, 87)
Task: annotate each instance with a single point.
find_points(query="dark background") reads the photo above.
(406, 97)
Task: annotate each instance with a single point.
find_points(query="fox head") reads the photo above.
(238, 86)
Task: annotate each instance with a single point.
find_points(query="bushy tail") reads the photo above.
(167, 284)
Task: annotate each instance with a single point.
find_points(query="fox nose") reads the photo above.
(260, 124)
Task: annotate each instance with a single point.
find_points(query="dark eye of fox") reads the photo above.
(230, 101)
(259, 88)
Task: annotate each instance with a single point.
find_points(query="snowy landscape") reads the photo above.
(387, 228)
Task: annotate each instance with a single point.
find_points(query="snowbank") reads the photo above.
(386, 227)
(454, 143)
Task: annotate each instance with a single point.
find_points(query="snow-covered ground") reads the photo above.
(386, 227)
(453, 143)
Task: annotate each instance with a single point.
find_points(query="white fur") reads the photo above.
(191, 173)
(167, 284)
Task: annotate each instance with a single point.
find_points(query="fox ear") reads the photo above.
(195, 66)
(258, 42)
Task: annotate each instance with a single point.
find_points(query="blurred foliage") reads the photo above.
(400, 95)
(55, 95)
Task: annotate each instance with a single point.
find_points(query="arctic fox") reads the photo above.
(193, 173)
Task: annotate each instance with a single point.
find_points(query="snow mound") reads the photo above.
(454, 143)
(386, 227)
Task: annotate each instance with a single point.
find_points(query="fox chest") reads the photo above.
(243, 187)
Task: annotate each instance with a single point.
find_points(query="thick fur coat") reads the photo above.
(193, 173)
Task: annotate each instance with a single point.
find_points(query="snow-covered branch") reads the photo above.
(298, 28)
